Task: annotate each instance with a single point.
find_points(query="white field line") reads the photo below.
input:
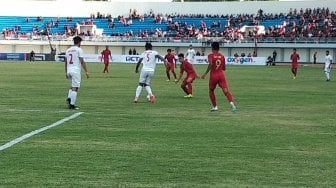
(30, 110)
(28, 135)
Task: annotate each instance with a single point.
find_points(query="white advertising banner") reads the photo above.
(96, 58)
(246, 60)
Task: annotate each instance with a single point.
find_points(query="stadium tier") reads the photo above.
(297, 25)
(60, 25)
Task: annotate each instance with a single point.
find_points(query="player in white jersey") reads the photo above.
(327, 65)
(149, 60)
(74, 62)
(191, 54)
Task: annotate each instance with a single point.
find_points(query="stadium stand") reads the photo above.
(307, 25)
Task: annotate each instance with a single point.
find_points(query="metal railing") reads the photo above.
(205, 40)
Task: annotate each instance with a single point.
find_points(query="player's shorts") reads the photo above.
(75, 78)
(218, 80)
(327, 67)
(295, 65)
(146, 77)
(106, 62)
(170, 67)
(189, 78)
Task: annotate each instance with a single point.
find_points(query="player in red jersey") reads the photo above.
(295, 57)
(217, 77)
(106, 55)
(170, 65)
(187, 67)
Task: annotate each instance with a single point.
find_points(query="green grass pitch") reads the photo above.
(283, 135)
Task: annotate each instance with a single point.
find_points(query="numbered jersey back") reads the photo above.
(218, 62)
(72, 58)
(149, 60)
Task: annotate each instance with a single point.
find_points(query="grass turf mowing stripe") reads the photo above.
(35, 132)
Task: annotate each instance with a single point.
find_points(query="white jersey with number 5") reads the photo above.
(72, 56)
(149, 60)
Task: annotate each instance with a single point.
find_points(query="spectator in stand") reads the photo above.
(32, 56)
(255, 54)
(274, 56)
(314, 57)
(269, 61)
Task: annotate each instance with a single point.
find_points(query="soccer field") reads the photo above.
(283, 134)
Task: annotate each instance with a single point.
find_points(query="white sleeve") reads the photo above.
(80, 52)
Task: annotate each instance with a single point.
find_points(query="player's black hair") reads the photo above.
(148, 46)
(77, 40)
(215, 45)
(327, 51)
(169, 50)
(180, 55)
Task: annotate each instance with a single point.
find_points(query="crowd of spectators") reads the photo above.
(303, 24)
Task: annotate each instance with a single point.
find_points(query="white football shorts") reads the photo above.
(75, 78)
(327, 67)
(146, 77)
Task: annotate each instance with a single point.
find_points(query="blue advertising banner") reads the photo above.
(13, 56)
(21, 57)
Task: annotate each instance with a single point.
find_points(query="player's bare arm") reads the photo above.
(162, 59)
(81, 59)
(66, 67)
(138, 65)
(207, 71)
(179, 77)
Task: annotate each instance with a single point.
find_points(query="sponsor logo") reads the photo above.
(240, 60)
(132, 58)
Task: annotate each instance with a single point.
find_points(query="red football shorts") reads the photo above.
(170, 66)
(217, 80)
(189, 78)
(295, 65)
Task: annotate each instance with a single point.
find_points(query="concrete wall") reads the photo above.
(283, 50)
